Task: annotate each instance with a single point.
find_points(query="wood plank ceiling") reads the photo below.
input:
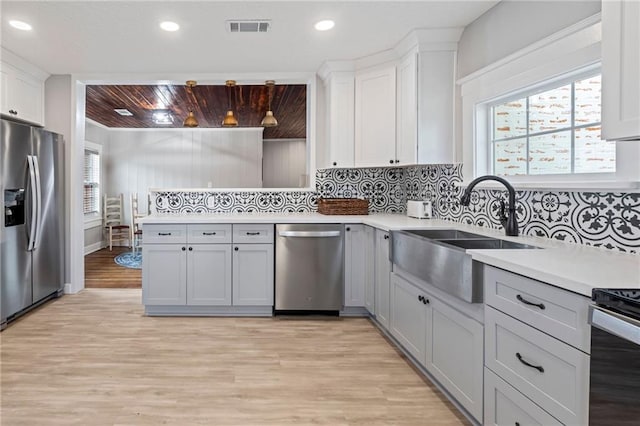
(208, 103)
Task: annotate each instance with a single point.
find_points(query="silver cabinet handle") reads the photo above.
(614, 323)
(309, 234)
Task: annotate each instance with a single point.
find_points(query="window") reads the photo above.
(91, 195)
(555, 131)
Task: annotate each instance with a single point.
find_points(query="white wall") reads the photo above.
(137, 160)
(58, 118)
(284, 163)
(513, 24)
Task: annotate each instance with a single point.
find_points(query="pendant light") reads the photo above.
(191, 120)
(229, 119)
(269, 120)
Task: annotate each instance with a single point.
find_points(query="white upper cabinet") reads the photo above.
(21, 89)
(375, 117)
(340, 93)
(436, 106)
(620, 69)
(407, 110)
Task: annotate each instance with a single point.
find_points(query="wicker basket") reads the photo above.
(346, 206)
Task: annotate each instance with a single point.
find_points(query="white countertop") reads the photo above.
(574, 267)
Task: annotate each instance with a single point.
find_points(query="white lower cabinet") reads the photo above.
(164, 273)
(354, 266)
(369, 276)
(209, 274)
(505, 406)
(455, 347)
(446, 342)
(253, 274)
(408, 319)
(196, 265)
(382, 276)
(536, 341)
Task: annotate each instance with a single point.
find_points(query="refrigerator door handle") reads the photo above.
(36, 167)
(34, 202)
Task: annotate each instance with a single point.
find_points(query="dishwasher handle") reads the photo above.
(615, 323)
(309, 234)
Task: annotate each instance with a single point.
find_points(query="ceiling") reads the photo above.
(109, 37)
(208, 103)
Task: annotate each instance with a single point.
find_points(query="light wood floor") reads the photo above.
(100, 271)
(94, 359)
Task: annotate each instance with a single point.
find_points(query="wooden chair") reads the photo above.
(135, 231)
(117, 230)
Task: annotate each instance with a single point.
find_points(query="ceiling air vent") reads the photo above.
(248, 26)
(124, 112)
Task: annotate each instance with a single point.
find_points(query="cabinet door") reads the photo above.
(164, 274)
(382, 275)
(407, 111)
(455, 354)
(620, 70)
(375, 117)
(505, 406)
(369, 282)
(253, 274)
(354, 265)
(22, 95)
(340, 94)
(408, 318)
(209, 274)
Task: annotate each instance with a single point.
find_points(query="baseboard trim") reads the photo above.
(93, 247)
(208, 311)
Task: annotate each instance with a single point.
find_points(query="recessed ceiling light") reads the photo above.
(324, 25)
(20, 25)
(169, 26)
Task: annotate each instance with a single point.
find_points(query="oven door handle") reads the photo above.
(615, 323)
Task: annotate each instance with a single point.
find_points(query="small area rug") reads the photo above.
(130, 259)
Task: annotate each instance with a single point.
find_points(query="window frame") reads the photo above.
(527, 92)
(93, 219)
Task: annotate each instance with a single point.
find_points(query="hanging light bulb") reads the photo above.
(269, 120)
(191, 120)
(229, 119)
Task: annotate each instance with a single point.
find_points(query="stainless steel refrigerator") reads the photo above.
(32, 227)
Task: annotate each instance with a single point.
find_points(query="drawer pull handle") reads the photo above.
(526, 302)
(537, 367)
(164, 234)
(208, 233)
(253, 233)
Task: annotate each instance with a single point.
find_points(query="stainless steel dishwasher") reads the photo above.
(309, 268)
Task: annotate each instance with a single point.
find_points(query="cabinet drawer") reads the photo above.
(504, 405)
(209, 234)
(557, 312)
(253, 234)
(164, 234)
(551, 373)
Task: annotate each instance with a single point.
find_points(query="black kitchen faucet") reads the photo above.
(510, 222)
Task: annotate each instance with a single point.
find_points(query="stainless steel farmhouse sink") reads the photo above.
(439, 257)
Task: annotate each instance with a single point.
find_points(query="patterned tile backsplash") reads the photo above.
(610, 220)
